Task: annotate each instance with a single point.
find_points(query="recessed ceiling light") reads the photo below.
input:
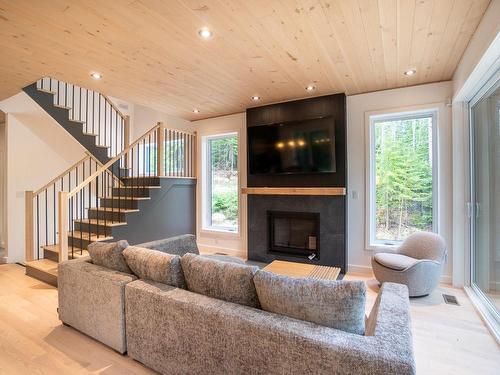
(205, 33)
(96, 75)
(410, 72)
(196, 110)
(255, 97)
(311, 88)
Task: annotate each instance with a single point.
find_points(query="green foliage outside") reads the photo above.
(224, 165)
(403, 157)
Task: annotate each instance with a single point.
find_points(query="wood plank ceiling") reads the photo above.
(149, 51)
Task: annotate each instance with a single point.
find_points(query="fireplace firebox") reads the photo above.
(294, 233)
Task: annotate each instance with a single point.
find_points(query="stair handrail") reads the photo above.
(60, 175)
(87, 156)
(106, 98)
(111, 162)
(99, 120)
(159, 152)
(50, 189)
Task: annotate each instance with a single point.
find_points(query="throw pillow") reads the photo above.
(109, 255)
(155, 265)
(335, 304)
(227, 281)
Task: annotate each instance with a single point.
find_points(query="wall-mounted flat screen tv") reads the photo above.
(298, 147)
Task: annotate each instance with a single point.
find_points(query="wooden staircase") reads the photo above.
(111, 212)
(95, 199)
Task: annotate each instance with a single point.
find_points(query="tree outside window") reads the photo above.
(402, 149)
(222, 177)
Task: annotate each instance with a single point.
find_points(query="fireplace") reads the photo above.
(317, 225)
(294, 233)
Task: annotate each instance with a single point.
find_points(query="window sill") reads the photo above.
(217, 232)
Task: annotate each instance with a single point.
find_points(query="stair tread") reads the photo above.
(102, 146)
(46, 90)
(139, 187)
(78, 121)
(88, 236)
(44, 265)
(107, 223)
(61, 106)
(91, 134)
(77, 252)
(110, 209)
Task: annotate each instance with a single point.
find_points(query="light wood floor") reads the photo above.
(447, 339)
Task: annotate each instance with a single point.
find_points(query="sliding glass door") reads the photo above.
(485, 197)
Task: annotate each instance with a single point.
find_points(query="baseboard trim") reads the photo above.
(363, 270)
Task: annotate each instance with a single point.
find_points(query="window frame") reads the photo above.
(206, 193)
(371, 243)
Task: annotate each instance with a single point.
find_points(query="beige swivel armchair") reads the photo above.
(417, 263)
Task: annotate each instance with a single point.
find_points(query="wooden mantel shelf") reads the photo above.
(294, 191)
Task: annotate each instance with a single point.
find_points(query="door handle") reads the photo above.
(478, 208)
(469, 210)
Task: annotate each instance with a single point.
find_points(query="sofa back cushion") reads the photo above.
(227, 281)
(109, 255)
(178, 245)
(335, 304)
(155, 265)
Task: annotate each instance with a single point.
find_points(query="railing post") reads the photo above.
(28, 226)
(126, 137)
(160, 146)
(63, 226)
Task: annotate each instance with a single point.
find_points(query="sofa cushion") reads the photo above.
(335, 304)
(109, 255)
(155, 265)
(227, 281)
(396, 262)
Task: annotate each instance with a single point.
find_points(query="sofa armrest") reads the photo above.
(389, 322)
(92, 300)
(178, 245)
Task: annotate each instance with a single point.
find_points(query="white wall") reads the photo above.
(38, 149)
(402, 99)
(486, 32)
(235, 244)
(145, 118)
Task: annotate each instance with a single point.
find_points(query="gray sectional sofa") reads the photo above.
(214, 319)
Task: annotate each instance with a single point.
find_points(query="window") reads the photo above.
(221, 198)
(402, 179)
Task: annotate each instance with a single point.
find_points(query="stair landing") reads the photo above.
(44, 270)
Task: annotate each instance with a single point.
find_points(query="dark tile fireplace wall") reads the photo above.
(331, 234)
(292, 232)
(332, 209)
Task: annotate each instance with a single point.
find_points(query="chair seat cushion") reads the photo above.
(396, 262)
